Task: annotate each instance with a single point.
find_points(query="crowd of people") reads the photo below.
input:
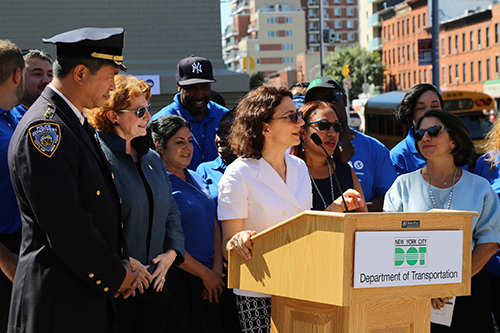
(116, 220)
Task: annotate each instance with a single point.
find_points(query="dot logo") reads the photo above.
(410, 252)
(358, 165)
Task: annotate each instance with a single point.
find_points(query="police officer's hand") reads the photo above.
(8, 262)
(347, 149)
(129, 283)
(144, 278)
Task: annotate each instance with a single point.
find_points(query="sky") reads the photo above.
(225, 11)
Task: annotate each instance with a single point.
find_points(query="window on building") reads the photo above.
(349, 1)
(338, 36)
(337, 12)
(404, 81)
(350, 11)
(456, 74)
(425, 75)
(414, 51)
(399, 81)
(257, 61)
(423, 20)
(479, 71)
(442, 46)
(289, 33)
(389, 28)
(257, 47)
(287, 47)
(403, 53)
(479, 39)
(272, 20)
(456, 43)
(398, 31)
(488, 37)
(288, 60)
(272, 33)
(288, 19)
(408, 52)
(312, 13)
(464, 72)
(350, 36)
(409, 79)
(418, 23)
(385, 57)
(496, 33)
(463, 42)
(471, 40)
(399, 55)
(413, 19)
(407, 26)
(414, 77)
(450, 79)
(419, 76)
(402, 28)
(338, 24)
(350, 24)
(336, 1)
(384, 35)
(497, 65)
(443, 76)
(488, 69)
(449, 44)
(388, 59)
(472, 71)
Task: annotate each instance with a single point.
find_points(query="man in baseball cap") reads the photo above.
(368, 157)
(192, 102)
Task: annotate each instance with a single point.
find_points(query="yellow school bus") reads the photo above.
(477, 111)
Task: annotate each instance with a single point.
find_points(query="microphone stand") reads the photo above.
(317, 140)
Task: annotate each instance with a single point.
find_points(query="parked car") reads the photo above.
(354, 119)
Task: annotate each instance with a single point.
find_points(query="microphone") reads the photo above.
(317, 140)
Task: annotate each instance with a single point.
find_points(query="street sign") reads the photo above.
(425, 52)
(347, 84)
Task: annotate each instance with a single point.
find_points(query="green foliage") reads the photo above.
(353, 58)
(256, 80)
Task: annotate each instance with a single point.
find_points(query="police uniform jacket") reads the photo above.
(70, 262)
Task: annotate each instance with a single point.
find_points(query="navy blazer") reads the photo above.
(70, 261)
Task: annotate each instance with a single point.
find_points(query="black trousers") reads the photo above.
(13, 243)
(472, 313)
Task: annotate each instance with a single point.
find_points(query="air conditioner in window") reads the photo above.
(455, 51)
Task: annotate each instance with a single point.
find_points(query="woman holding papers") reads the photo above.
(443, 141)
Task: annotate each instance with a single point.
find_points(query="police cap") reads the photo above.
(91, 43)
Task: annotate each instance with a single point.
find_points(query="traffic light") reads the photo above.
(328, 35)
(251, 63)
(346, 70)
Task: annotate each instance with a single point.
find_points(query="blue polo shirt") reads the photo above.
(203, 131)
(212, 172)
(404, 155)
(18, 112)
(372, 165)
(197, 216)
(11, 217)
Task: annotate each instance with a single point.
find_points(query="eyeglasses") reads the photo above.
(433, 131)
(333, 97)
(324, 125)
(294, 117)
(140, 111)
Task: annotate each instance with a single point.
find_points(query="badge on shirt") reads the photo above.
(45, 137)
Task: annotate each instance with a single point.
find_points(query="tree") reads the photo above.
(256, 80)
(354, 58)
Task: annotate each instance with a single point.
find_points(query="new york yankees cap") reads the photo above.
(193, 70)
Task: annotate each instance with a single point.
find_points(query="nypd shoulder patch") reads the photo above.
(45, 137)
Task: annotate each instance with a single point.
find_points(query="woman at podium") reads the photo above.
(320, 118)
(442, 139)
(264, 186)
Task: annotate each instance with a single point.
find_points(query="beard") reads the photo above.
(20, 91)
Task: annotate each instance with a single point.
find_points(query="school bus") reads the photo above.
(477, 111)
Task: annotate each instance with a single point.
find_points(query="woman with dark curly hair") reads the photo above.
(444, 143)
(150, 217)
(264, 186)
(321, 119)
(415, 103)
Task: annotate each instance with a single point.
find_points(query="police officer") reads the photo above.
(72, 260)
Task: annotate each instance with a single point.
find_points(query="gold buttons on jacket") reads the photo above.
(112, 176)
(91, 275)
(150, 167)
(98, 282)
(98, 193)
(106, 289)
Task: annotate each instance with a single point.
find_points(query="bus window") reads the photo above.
(372, 123)
(390, 125)
(381, 124)
(458, 104)
(478, 125)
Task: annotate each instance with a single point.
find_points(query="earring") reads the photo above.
(115, 124)
(452, 146)
(303, 145)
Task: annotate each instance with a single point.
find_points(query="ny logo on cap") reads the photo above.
(197, 67)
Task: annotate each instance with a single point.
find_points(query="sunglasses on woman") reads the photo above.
(294, 117)
(433, 131)
(324, 125)
(140, 111)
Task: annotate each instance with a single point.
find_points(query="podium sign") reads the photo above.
(407, 258)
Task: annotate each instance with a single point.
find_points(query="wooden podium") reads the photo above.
(307, 264)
